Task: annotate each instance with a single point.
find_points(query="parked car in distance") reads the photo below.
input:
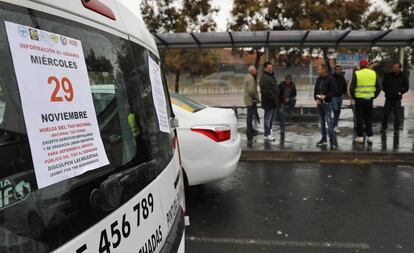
(208, 139)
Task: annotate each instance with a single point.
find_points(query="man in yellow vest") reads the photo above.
(364, 89)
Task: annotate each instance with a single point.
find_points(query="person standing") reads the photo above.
(364, 89)
(323, 93)
(251, 98)
(395, 84)
(288, 94)
(270, 99)
(339, 90)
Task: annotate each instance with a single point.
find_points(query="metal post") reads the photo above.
(310, 73)
(402, 55)
(266, 54)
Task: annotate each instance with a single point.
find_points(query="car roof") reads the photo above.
(127, 24)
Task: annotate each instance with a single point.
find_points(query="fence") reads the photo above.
(229, 80)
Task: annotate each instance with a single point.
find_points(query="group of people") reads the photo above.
(274, 99)
(329, 91)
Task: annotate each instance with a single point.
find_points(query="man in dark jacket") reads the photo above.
(323, 93)
(395, 84)
(270, 99)
(339, 89)
(288, 99)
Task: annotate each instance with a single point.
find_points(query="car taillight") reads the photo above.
(217, 134)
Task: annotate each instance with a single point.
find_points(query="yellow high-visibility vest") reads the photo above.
(365, 85)
(133, 124)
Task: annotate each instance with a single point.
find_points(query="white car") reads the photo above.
(208, 138)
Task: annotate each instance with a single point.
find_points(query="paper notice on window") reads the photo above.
(57, 104)
(158, 95)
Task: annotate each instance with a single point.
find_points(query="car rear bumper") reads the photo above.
(217, 165)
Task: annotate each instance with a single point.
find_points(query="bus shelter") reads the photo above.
(301, 38)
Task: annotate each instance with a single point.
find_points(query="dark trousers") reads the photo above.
(282, 116)
(250, 112)
(363, 114)
(395, 106)
(256, 114)
(269, 116)
(290, 107)
(336, 108)
(325, 117)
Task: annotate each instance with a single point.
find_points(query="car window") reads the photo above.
(186, 103)
(40, 220)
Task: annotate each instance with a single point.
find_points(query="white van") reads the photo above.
(89, 159)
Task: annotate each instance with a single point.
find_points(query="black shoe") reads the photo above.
(334, 147)
(321, 143)
(251, 132)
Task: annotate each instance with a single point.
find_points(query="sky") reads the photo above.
(224, 13)
(225, 7)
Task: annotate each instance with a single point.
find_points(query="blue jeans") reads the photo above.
(249, 121)
(282, 111)
(269, 116)
(292, 104)
(325, 117)
(336, 108)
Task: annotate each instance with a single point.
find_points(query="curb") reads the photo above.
(329, 157)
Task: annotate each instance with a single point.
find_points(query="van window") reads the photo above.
(40, 220)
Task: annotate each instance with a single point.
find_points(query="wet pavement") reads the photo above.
(304, 207)
(303, 134)
(304, 98)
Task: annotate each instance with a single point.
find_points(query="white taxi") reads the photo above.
(208, 139)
